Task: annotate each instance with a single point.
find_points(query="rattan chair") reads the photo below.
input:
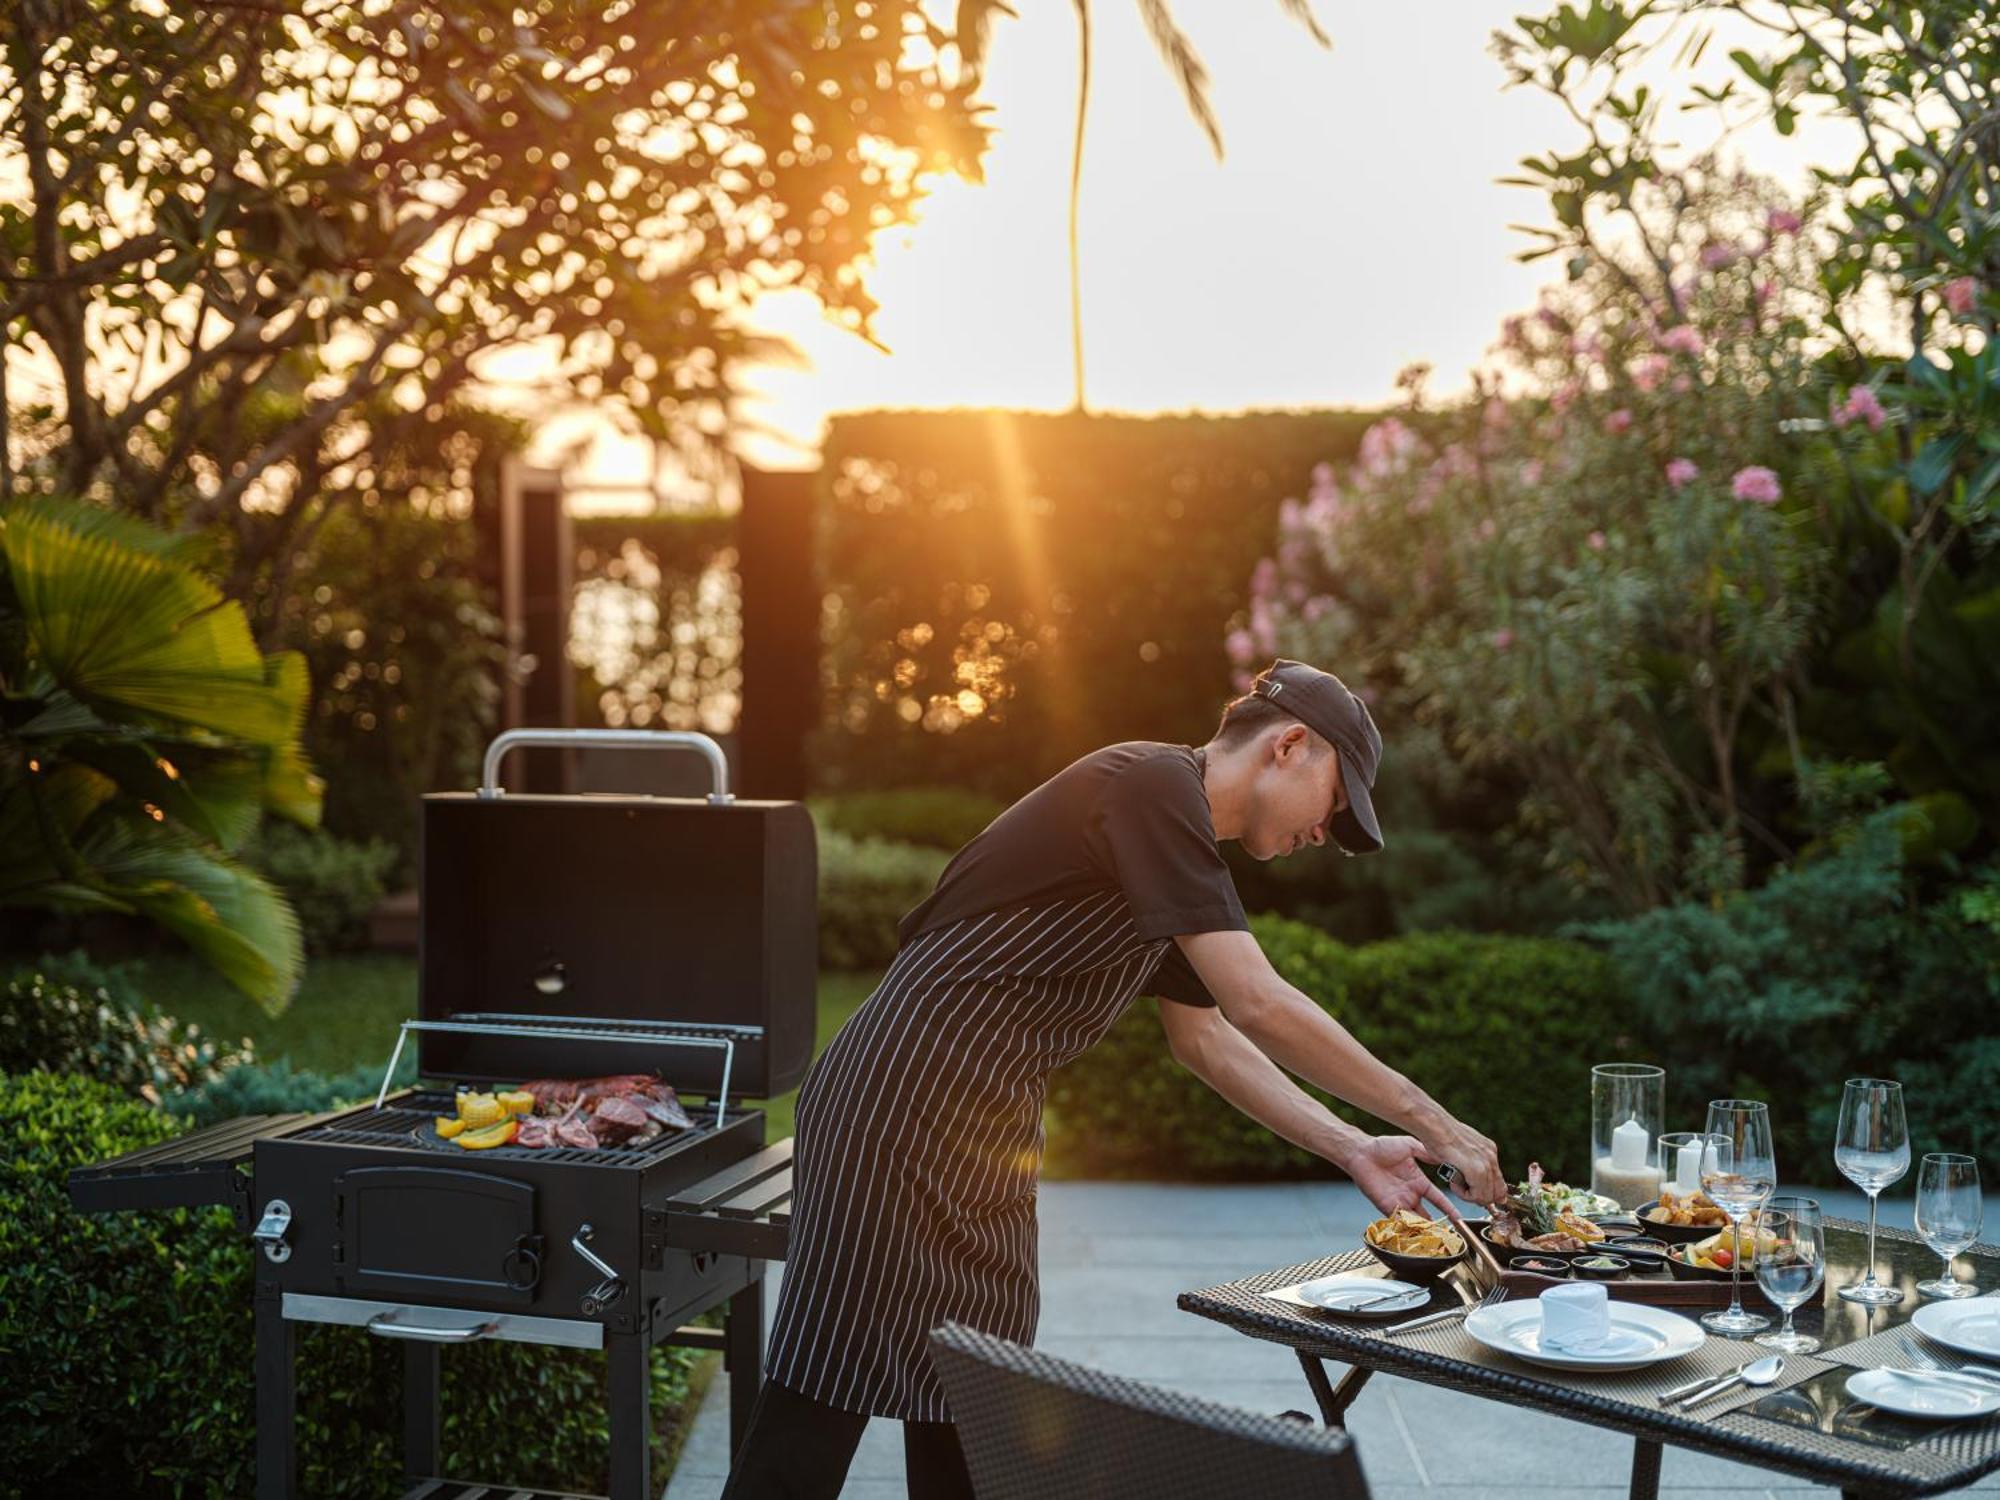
(1039, 1428)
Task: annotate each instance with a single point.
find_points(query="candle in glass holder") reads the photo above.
(1627, 1106)
(1626, 1175)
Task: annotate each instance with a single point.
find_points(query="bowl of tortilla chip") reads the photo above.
(1413, 1247)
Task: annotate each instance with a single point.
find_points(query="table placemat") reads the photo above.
(1715, 1357)
(1890, 1349)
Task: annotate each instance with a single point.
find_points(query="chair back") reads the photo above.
(1039, 1428)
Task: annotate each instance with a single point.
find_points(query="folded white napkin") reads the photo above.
(1576, 1316)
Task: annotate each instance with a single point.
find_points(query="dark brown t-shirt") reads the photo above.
(1133, 817)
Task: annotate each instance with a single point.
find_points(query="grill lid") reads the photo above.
(690, 918)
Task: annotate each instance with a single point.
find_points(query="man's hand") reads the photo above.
(1480, 1180)
(1389, 1170)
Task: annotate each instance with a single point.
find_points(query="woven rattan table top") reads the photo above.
(1811, 1429)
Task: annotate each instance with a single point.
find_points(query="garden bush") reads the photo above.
(332, 883)
(47, 1026)
(1500, 1030)
(938, 817)
(278, 1088)
(132, 1335)
(865, 887)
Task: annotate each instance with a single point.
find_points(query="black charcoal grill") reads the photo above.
(562, 936)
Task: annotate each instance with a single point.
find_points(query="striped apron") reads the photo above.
(919, 1143)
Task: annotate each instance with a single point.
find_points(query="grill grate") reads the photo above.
(394, 1125)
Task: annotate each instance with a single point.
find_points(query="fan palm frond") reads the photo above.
(1188, 69)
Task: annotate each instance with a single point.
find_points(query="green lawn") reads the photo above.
(348, 1009)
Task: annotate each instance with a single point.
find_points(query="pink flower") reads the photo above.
(1783, 221)
(1240, 646)
(1531, 472)
(1861, 405)
(1502, 638)
(1318, 605)
(1488, 529)
(1385, 446)
(1682, 338)
(1595, 541)
(1680, 471)
(1618, 421)
(1566, 394)
(1960, 294)
(1650, 371)
(1762, 290)
(1755, 483)
(1715, 255)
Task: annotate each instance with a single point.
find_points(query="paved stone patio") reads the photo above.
(1114, 1255)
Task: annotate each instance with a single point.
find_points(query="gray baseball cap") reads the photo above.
(1321, 702)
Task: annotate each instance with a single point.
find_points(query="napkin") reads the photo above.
(1576, 1317)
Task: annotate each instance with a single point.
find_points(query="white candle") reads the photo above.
(1687, 1169)
(1628, 1147)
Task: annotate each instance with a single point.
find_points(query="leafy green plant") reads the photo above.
(138, 1329)
(938, 817)
(142, 736)
(48, 1026)
(865, 887)
(1500, 1030)
(278, 1088)
(331, 883)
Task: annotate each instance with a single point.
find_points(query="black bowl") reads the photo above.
(1582, 1267)
(1541, 1263)
(1680, 1270)
(1674, 1234)
(1418, 1269)
(1645, 1254)
(1602, 1247)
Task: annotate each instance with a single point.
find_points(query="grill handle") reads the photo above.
(608, 739)
(386, 1326)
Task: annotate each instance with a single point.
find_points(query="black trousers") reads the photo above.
(799, 1449)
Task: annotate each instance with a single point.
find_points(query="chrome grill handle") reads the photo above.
(607, 1291)
(385, 1325)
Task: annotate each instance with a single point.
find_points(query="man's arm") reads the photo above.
(1383, 1167)
(1293, 1032)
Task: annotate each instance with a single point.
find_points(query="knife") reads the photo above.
(1699, 1381)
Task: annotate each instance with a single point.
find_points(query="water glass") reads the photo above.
(1790, 1256)
(1872, 1150)
(1742, 1173)
(1949, 1216)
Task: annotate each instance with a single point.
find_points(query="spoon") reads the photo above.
(1757, 1372)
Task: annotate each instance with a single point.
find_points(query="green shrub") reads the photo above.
(939, 817)
(332, 883)
(1502, 1031)
(865, 887)
(277, 1088)
(133, 1333)
(59, 1028)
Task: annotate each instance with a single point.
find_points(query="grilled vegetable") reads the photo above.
(518, 1102)
(490, 1135)
(449, 1127)
(480, 1109)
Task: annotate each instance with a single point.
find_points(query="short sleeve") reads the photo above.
(1175, 979)
(1152, 832)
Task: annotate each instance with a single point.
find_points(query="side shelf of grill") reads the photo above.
(745, 1209)
(189, 1171)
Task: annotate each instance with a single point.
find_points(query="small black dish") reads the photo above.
(1674, 1234)
(1645, 1254)
(1614, 1266)
(1541, 1265)
(1682, 1270)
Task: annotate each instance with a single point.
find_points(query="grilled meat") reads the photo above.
(573, 1130)
(617, 1119)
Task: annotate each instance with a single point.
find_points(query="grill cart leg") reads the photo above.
(743, 1358)
(1333, 1399)
(277, 1406)
(1645, 1470)
(631, 1421)
(422, 1418)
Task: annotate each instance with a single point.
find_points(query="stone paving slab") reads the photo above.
(1114, 1255)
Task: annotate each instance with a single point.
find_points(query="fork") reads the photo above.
(1925, 1360)
(1492, 1299)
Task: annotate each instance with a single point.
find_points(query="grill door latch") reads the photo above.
(607, 1291)
(270, 1231)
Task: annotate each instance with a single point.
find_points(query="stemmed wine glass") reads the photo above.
(1791, 1262)
(1872, 1150)
(1949, 1213)
(1742, 1173)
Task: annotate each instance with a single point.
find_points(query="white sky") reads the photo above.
(1354, 226)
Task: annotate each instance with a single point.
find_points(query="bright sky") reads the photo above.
(1354, 226)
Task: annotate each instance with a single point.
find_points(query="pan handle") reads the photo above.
(386, 1326)
(608, 739)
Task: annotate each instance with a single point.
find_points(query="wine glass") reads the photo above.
(1790, 1251)
(1872, 1150)
(1949, 1213)
(1742, 1173)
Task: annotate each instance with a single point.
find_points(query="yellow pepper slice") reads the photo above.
(518, 1102)
(490, 1135)
(480, 1109)
(448, 1127)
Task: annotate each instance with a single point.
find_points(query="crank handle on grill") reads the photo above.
(386, 1326)
(607, 1291)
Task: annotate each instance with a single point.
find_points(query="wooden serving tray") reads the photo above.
(1656, 1289)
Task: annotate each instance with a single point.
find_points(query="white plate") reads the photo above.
(1912, 1393)
(1971, 1326)
(1639, 1336)
(1338, 1294)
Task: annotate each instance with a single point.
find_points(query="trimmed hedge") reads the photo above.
(865, 887)
(49, 1026)
(332, 883)
(938, 817)
(1500, 1030)
(130, 1335)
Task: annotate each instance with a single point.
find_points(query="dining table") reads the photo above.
(1804, 1424)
